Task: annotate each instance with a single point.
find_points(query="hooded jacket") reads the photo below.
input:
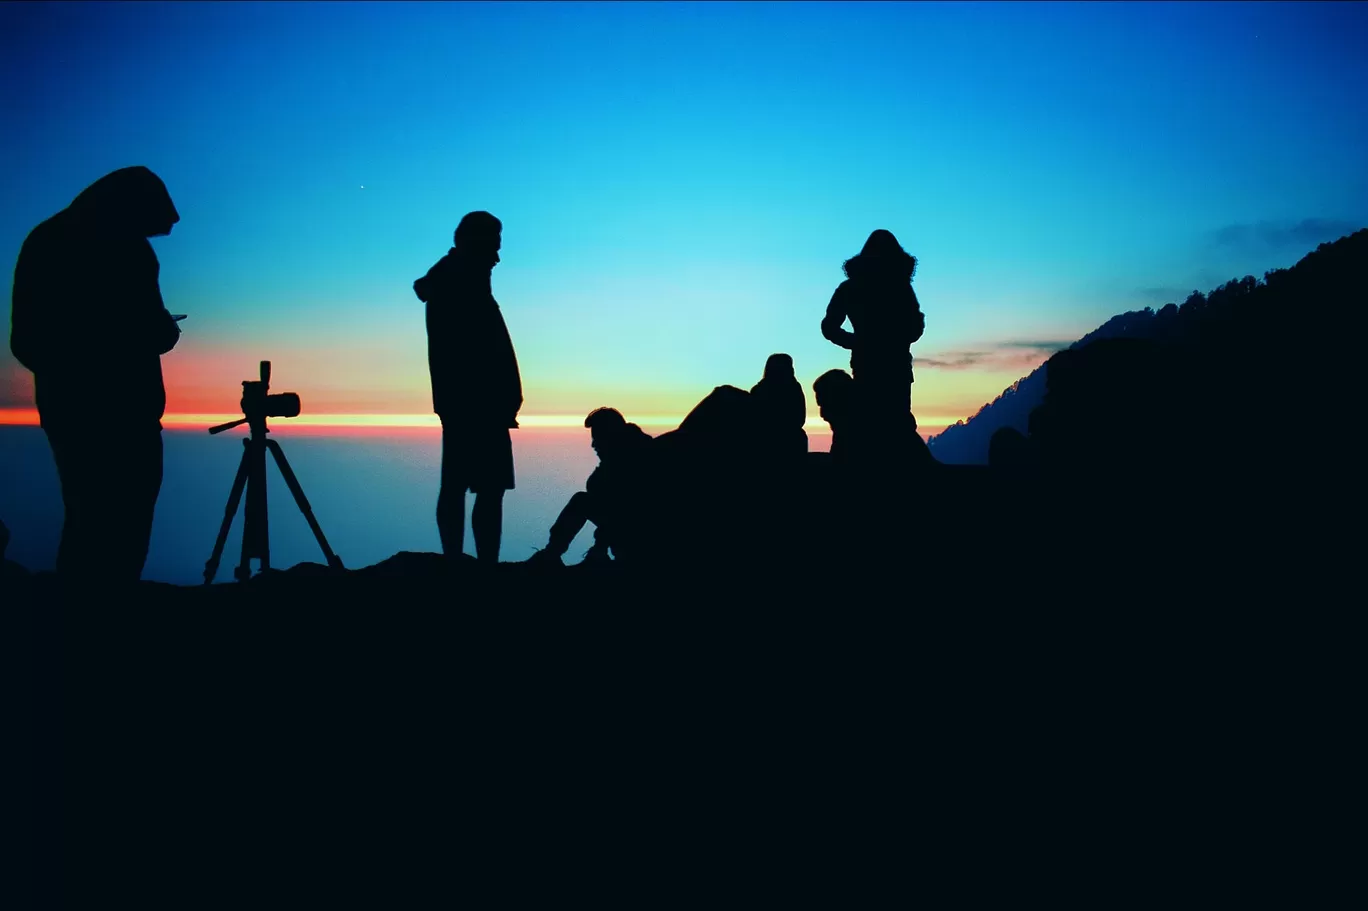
(878, 299)
(471, 361)
(87, 314)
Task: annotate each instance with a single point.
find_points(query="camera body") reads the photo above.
(258, 404)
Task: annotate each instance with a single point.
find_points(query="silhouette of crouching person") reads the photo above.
(611, 495)
(476, 386)
(89, 321)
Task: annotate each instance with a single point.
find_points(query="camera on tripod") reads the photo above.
(258, 405)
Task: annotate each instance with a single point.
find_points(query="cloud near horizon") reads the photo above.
(1015, 354)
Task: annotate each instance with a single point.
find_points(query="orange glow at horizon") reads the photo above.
(182, 421)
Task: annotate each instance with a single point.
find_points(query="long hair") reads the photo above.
(881, 257)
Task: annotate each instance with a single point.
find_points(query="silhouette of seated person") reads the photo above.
(476, 386)
(714, 472)
(88, 320)
(612, 495)
(867, 447)
(781, 407)
(878, 299)
(837, 405)
(720, 435)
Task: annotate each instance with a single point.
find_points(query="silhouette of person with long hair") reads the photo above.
(476, 386)
(781, 406)
(610, 492)
(883, 310)
(88, 320)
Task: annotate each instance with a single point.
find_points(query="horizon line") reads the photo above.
(29, 417)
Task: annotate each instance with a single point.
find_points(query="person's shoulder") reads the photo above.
(435, 282)
(47, 230)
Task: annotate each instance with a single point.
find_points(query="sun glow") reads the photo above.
(657, 423)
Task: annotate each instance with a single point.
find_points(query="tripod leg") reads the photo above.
(234, 498)
(303, 503)
(256, 541)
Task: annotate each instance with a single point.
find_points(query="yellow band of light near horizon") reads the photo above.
(29, 416)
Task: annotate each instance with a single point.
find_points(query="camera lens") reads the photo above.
(283, 405)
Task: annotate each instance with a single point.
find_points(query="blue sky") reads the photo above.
(680, 183)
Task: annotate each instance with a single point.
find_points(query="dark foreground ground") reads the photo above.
(399, 733)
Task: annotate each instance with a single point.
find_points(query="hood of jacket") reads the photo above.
(449, 273)
(129, 199)
(881, 268)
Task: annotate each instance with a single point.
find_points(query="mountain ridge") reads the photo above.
(966, 442)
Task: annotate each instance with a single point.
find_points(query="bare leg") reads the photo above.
(486, 523)
(450, 501)
(451, 521)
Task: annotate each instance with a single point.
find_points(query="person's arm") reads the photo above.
(797, 407)
(163, 331)
(513, 381)
(31, 330)
(835, 317)
(918, 318)
(134, 319)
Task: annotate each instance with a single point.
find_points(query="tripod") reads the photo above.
(251, 474)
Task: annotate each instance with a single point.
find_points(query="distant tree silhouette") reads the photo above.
(1235, 317)
(1143, 438)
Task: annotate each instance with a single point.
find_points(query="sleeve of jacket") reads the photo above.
(31, 331)
(797, 404)
(918, 318)
(160, 330)
(134, 318)
(836, 313)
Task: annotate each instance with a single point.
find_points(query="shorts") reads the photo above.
(476, 459)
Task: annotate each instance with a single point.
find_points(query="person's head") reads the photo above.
(480, 235)
(835, 392)
(882, 255)
(779, 367)
(605, 428)
(128, 201)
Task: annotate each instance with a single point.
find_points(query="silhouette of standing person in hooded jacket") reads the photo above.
(89, 322)
(476, 386)
(883, 310)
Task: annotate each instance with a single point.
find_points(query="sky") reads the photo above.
(679, 183)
